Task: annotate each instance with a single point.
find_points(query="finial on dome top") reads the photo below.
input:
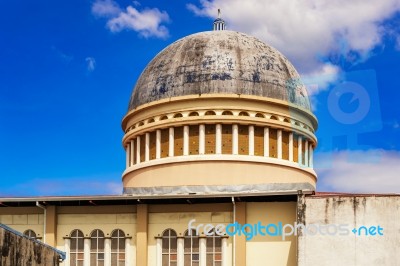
(219, 23)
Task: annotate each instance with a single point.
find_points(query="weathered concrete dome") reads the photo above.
(212, 114)
(218, 62)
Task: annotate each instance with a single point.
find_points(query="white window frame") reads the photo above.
(75, 249)
(98, 236)
(191, 251)
(119, 250)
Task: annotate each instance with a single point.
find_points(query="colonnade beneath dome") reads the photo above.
(219, 139)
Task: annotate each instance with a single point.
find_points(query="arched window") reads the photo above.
(210, 113)
(177, 115)
(243, 114)
(30, 233)
(118, 248)
(76, 249)
(97, 248)
(227, 113)
(164, 117)
(191, 249)
(273, 117)
(169, 248)
(194, 114)
(214, 250)
(259, 115)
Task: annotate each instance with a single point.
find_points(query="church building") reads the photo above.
(219, 138)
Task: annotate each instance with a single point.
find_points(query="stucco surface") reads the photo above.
(217, 62)
(362, 247)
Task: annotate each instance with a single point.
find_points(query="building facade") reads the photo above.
(219, 140)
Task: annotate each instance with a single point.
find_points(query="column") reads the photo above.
(235, 139)
(300, 150)
(132, 148)
(147, 148)
(224, 251)
(306, 153)
(158, 251)
(138, 149)
(185, 140)
(251, 140)
(218, 139)
(133, 255)
(50, 235)
(279, 141)
(240, 244)
(107, 251)
(128, 153)
(203, 250)
(291, 147)
(158, 144)
(141, 234)
(86, 251)
(266, 142)
(180, 251)
(67, 249)
(128, 260)
(202, 139)
(171, 142)
(310, 160)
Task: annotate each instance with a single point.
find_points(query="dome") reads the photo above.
(219, 62)
(214, 112)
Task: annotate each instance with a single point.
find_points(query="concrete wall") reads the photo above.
(360, 248)
(19, 250)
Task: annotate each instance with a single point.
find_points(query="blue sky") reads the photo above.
(67, 69)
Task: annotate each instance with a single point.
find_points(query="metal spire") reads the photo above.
(219, 23)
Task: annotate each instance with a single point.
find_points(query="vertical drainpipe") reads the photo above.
(234, 236)
(44, 219)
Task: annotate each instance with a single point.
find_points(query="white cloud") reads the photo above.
(63, 56)
(398, 43)
(136, 3)
(371, 171)
(106, 8)
(318, 80)
(308, 32)
(90, 63)
(147, 22)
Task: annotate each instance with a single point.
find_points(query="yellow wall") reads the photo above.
(22, 219)
(271, 250)
(158, 222)
(87, 219)
(221, 170)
